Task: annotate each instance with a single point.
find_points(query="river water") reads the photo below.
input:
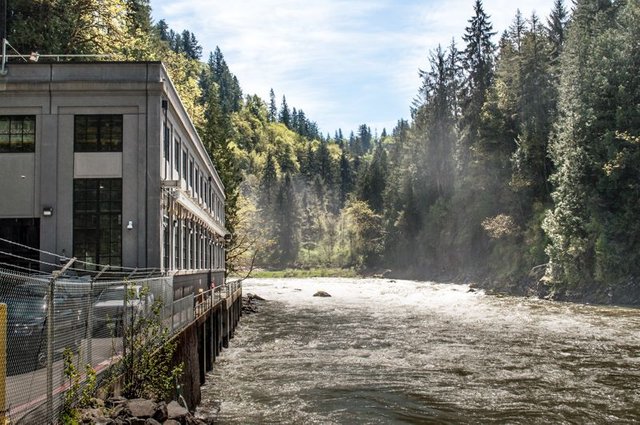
(383, 352)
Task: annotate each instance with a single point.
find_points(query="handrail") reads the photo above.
(206, 300)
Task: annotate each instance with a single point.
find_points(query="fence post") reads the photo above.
(3, 362)
(50, 330)
(89, 335)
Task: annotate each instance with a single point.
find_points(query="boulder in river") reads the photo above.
(322, 294)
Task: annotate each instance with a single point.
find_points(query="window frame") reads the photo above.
(85, 142)
(10, 133)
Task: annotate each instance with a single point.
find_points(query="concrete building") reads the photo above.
(100, 161)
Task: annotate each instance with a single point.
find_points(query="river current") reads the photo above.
(385, 352)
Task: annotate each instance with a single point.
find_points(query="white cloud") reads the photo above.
(344, 62)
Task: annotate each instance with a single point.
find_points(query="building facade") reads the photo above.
(100, 161)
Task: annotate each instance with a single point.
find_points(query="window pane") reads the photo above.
(17, 133)
(97, 209)
(98, 133)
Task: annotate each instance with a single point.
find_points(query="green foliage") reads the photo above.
(80, 390)
(147, 365)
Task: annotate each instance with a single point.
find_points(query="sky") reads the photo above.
(344, 62)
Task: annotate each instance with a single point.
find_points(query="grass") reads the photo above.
(304, 273)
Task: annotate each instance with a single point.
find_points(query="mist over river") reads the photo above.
(383, 352)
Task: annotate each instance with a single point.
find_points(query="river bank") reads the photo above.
(621, 294)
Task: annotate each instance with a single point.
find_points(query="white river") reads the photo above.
(386, 352)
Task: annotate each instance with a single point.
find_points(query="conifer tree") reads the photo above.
(478, 61)
(285, 114)
(287, 223)
(273, 109)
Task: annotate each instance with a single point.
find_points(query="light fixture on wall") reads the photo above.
(47, 211)
(130, 225)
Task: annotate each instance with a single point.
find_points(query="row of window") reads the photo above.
(185, 168)
(92, 133)
(187, 245)
(97, 231)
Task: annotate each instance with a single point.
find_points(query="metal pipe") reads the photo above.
(3, 70)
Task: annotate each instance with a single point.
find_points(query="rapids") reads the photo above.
(381, 352)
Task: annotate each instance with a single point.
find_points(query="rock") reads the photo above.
(175, 411)
(141, 408)
(118, 411)
(171, 422)
(137, 421)
(192, 420)
(152, 421)
(161, 414)
(471, 290)
(101, 420)
(251, 296)
(322, 294)
(115, 401)
(87, 415)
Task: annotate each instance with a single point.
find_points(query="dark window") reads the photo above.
(176, 245)
(197, 188)
(166, 243)
(191, 175)
(97, 221)
(176, 154)
(167, 143)
(24, 232)
(185, 245)
(184, 166)
(17, 133)
(98, 133)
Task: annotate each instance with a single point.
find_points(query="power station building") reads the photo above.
(100, 161)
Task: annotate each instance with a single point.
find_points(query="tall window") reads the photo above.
(17, 133)
(176, 155)
(176, 244)
(191, 175)
(185, 245)
(98, 133)
(185, 171)
(166, 243)
(97, 221)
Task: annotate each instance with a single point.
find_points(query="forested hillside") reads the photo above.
(519, 167)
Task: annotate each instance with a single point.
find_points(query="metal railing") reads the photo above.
(41, 316)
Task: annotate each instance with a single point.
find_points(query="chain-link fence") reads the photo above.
(41, 316)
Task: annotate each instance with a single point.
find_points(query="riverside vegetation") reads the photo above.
(519, 166)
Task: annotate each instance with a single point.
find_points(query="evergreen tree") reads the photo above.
(373, 181)
(346, 178)
(590, 230)
(478, 60)
(273, 109)
(556, 27)
(323, 167)
(285, 114)
(268, 182)
(287, 223)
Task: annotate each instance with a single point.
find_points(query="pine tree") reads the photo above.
(287, 223)
(478, 61)
(273, 109)
(556, 27)
(268, 181)
(285, 114)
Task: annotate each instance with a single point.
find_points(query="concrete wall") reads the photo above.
(55, 93)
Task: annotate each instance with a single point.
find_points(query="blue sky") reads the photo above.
(344, 62)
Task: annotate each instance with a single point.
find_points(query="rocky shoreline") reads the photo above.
(121, 411)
